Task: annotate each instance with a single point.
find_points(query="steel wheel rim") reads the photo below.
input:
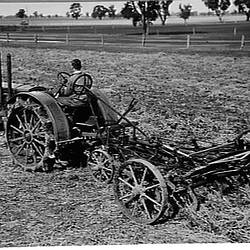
(140, 191)
(29, 128)
(101, 166)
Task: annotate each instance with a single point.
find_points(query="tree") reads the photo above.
(185, 12)
(21, 13)
(67, 14)
(75, 10)
(35, 14)
(99, 11)
(129, 11)
(219, 6)
(141, 12)
(163, 10)
(112, 11)
(243, 7)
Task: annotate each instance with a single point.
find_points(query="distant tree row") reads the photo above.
(141, 12)
(137, 10)
(99, 11)
(21, 14)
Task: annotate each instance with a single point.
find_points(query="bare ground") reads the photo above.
(180, 96)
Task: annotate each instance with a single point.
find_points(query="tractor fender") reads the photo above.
(59, 120)
(108, 114)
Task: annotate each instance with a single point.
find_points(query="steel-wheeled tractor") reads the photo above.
(151, 179)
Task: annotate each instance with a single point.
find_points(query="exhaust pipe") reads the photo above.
(1, 84)
(9, 76)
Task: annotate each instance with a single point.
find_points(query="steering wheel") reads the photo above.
(62, 78)
(82, 82)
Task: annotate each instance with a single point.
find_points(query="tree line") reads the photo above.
(141, 12)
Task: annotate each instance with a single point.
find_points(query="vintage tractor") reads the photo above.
(151, 179)
(41, 127)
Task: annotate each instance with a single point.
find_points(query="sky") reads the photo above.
(48, 8)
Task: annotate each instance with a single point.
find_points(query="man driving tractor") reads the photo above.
(68, 89)
(67, 95)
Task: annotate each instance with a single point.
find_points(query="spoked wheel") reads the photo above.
(140, 191)
(189, 200)
(33, 129)
(101, 166)
(28, 132)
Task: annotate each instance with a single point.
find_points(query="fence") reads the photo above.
(156, 40)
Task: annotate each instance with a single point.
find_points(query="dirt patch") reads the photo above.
(180, 96)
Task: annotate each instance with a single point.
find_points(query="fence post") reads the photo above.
(1, 83)
(43, 28)
(67, 39)
(193, 30)
(188, 41)
(242, 42)
(235, 31)
(102, 40)
(36, 38)
(143, 42)
(9, 75)
(7, 37)
(68, 29)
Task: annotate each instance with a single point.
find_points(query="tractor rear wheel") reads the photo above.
(35, 123)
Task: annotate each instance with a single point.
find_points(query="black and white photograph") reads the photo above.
(125, 123)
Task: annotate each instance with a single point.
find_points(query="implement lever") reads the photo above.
(130, 107)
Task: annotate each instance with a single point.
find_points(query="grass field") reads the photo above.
(60, 21)
(204, 36)
(180, 94)
(202, 91)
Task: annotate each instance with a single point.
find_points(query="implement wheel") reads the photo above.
(101, 167)
(35, 124)
(141, 191)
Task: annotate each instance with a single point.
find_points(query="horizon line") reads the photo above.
(66, 1)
